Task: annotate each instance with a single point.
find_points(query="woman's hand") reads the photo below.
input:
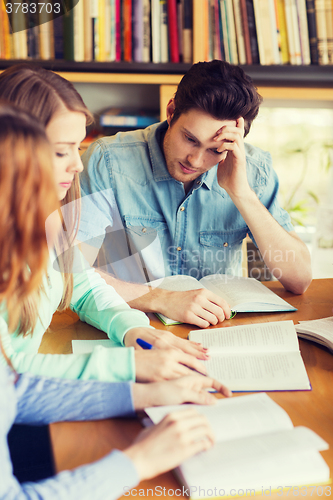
(162, 339)
(188, 389)
(164, 364)
(165, 445)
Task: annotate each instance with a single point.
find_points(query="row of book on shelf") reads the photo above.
(266, 32)
(99, 30)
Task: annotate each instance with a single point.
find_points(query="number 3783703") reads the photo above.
(33, 8)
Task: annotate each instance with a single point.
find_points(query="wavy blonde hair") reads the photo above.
(27, 197)
(42, 93)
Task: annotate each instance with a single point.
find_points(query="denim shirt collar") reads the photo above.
(159, 168)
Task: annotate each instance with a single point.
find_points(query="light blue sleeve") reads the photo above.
(99, 305)
(108, 478)
(42, 400)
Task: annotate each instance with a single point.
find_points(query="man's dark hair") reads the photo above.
(220, 89)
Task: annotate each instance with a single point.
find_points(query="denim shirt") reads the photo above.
(148, 226)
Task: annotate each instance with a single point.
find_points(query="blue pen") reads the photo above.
(144, 344)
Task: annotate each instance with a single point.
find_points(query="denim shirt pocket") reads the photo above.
(221, 251)
(148, 236)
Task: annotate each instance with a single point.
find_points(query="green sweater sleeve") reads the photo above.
(105, 364)
(99, 305)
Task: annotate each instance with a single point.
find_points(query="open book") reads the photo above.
(256, 357)
(317, 330)
(242, 294)
(257, 448)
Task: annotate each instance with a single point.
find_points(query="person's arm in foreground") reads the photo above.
(284, 253)
(156, 450)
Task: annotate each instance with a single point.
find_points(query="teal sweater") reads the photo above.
(97, 304)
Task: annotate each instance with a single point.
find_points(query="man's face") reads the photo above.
(189, 145)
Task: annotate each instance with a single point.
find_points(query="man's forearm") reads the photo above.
(286, 256)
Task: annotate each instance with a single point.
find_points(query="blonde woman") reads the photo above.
(55, 102)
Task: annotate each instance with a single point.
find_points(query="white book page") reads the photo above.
(322, 327)
(238, 290)
(234, 418)
(87, 346)
(259, 372)
(275, 336)
(177, 283)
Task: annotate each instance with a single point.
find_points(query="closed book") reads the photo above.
(7, 34)
(232, 32)
(201, 29)
(225, 30)
(118, 30)
(187, 31)
(329, 30)
(78, 28)
(312, 27)
(211, 32)
(69, 32)
(19, 36)
(165, 32)
(246, 32)
(107, 29)
(146, 32)
(127, 30)
(88, 36)
(281, 20)
(138, 30)
(46, 37)
(304, 31)
(173, 30)
(33, 35)
(321, 31)
(180, 24)
(218, 52)
(239, 32)
(293, 32)
(155, 31)
(58, 35)
(252, 32)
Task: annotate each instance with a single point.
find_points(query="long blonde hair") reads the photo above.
(42, 93)
(27, 197)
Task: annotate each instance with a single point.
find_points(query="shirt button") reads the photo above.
(179, 249)
(198, 182)
(182, 209)
(225, 244)
(144, 229)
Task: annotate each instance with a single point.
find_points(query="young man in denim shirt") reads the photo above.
(180, 196)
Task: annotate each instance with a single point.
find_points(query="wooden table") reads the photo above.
(77, 443)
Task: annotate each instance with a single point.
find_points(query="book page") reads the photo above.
(177, 283)
(259, 372)
(236, 417)
(276, 336)
(239, 291)
(87, 346)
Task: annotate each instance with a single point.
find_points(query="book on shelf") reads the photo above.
(164, 32)
(317, 330)
(320, 11)
(138, 30)
(146, 31)
(329, 29)
(127, 29)
(172, 24)
(187, 30)
(78, 30)
(268, 44)
(282, 29)
(257, 449)
(312, 27)
(255, 357)
(224, 28)
(242, 294)
(232, 32)
(293, 32)
(246, 31)
(155, 31)
(252, 32)
(239, 32)
(128, 118)
(304, 31)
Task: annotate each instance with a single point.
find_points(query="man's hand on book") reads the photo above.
(197, 307)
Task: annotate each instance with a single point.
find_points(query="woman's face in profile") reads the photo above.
(65, 131)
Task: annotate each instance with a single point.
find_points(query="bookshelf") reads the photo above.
(281, 82)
